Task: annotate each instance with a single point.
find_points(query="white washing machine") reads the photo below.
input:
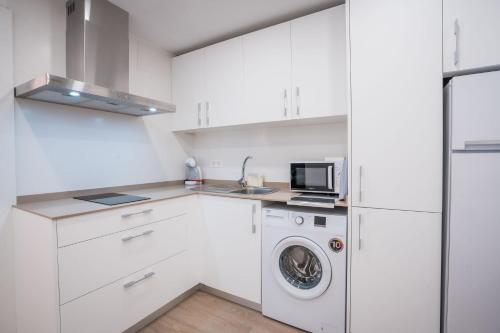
(304, 267)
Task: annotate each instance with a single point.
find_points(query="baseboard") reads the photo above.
(231, 298)
(173, 303)
(161, 311)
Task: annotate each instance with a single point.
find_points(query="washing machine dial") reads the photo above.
(299, 220)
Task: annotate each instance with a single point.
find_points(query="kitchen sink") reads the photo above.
(255, 190)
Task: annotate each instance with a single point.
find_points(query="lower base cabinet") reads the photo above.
(232, 247)
(395, 271)
(120, 305)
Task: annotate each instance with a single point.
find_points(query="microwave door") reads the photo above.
(312, 177)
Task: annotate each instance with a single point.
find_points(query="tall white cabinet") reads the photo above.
(396, 161)
(397, 113)
(395, 271)
(470, 35)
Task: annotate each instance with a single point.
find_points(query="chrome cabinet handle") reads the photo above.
(456, 32)
(199, 114)
(254, 227)
(145, 211)
(360, 186)
(285, 100)
(360, 239)
(482, 145)
(207, 109)
(297, 92)
(131, 283)
(145, 233)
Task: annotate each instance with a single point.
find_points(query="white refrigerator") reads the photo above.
(471, 274)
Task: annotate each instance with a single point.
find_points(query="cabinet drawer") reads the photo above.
(84, 227)
(86, 266)
(118, 306)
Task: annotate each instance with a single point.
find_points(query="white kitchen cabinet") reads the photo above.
(121, 304)
(395, 271)
(232, 246)
(188, 90)
(87, 266)
(267, 88)
(397, 104)
(319, 74)
(292, 70)
(224, 83)
(81, 273)
(470, 35)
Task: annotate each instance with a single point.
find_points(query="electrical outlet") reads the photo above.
(216, 164)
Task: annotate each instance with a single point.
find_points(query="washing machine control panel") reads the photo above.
(309, 220)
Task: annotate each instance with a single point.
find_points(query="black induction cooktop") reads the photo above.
(111, 199)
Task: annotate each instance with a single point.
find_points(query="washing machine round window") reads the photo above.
(301, 267)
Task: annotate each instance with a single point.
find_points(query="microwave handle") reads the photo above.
(330, 177)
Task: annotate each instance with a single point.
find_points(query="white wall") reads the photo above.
(61, 148)
(7, 175)
(272, 149)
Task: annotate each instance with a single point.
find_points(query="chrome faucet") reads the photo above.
(242, 180)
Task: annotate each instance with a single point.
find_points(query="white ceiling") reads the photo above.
(183, 25)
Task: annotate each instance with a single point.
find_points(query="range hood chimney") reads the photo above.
(97, 64)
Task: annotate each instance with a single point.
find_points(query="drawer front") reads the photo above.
(85, 227)
(120, 305)
(87, 266)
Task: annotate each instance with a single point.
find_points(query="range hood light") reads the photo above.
(74, 94)
(152, 109)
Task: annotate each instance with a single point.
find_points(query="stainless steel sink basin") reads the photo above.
(255, 190)
(225, 189)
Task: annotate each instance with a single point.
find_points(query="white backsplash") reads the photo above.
(221, 153)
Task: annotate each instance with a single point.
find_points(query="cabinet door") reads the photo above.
(395, 271)
(397, 104)
(232, 249)
(188, 90)
(267, 89)
(224, 83)
(470, 35)
(319, 64)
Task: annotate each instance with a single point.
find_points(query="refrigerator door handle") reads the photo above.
(482, 145)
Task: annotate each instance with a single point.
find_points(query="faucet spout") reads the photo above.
(242, 181)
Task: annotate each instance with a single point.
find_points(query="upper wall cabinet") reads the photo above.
(470, 35)
(188, 89)
(292, 70)
(267, 74)
(319, 72)
(224, 83)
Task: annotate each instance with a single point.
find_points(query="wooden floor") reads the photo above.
(204, 313)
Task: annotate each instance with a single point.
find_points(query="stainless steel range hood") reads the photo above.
(97, 64)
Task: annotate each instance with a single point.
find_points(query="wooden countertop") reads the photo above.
(69, 207)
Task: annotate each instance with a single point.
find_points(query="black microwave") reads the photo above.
(319, 177)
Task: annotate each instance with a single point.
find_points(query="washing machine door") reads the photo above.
(301, 267)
